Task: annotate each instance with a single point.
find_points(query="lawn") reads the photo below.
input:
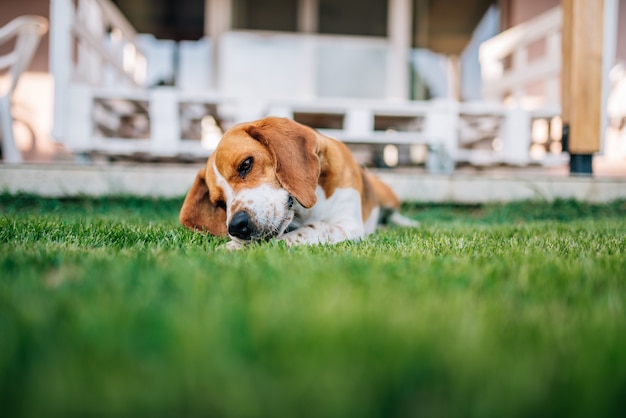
(109, 308)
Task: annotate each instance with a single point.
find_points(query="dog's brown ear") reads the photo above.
(294, 149)
(198, 213)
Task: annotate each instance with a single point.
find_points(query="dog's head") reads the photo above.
(249, 184)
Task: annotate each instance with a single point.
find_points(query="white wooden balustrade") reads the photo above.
(522, 65)
(521, 68)
(102, 102)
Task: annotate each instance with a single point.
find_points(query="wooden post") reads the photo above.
(399, 22)
(419, 86)
(62, 16)
(308, 16)
(217, 20)
(581, 80)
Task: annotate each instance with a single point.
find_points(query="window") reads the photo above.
(276, 15)
(353, 17)
(166, 19)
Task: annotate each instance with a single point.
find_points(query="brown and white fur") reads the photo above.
(276, 178)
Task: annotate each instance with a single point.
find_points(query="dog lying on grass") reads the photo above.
(275, 178)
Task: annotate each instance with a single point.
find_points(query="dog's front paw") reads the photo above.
(234, 246)
(290, 240)
(286, 242)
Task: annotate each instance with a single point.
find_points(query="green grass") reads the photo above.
(109, 308)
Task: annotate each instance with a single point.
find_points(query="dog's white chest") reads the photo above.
(343, 205)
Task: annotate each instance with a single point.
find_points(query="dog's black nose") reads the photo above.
(240, 226)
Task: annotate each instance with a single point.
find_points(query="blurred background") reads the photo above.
(434, 84)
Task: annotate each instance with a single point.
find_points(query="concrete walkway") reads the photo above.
(173, 180)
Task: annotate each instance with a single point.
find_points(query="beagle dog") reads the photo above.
(276, 178)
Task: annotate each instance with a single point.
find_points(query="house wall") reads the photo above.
(471, 80)
(516, 11)
(521, 10)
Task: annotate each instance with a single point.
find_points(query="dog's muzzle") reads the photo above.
(241, 227)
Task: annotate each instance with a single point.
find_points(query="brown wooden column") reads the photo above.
(581, 80)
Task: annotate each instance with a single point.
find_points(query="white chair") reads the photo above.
(27, 31)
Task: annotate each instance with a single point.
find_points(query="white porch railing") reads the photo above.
(102, 103)
(92, 43)
(522, 65)
(521, 68)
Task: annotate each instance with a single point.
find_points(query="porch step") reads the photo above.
(173, 180)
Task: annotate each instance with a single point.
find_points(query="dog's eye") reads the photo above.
(245, 167)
